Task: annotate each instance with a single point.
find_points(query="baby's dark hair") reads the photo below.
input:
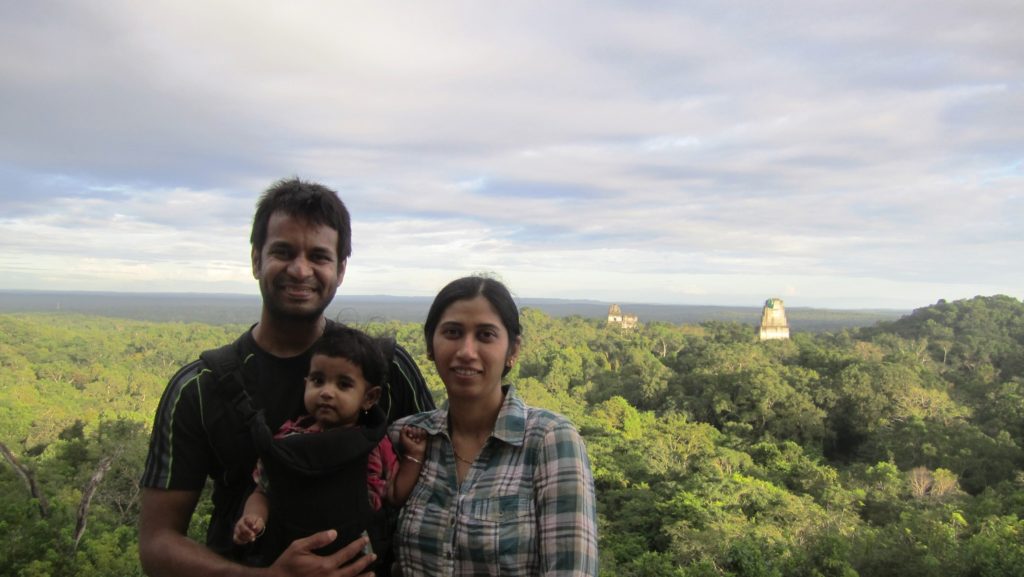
(361, 349)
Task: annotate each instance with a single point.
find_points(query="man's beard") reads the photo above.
(275, 308)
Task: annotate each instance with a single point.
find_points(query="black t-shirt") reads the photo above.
(275, 384)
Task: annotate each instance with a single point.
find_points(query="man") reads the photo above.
(301, 241)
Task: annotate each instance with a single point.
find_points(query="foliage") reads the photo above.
(889, 450)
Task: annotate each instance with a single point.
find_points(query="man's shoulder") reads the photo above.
(202, 370)
(228, 356)
(400, 357)
(187, 375)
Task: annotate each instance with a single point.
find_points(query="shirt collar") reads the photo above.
(510, 426)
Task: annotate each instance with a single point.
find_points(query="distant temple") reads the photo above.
(615, 317)
(773, 321)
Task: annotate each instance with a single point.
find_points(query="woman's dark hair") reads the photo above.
(362, 350)
(309, 200)
(468, 288)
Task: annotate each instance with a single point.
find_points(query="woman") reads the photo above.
(505, 488)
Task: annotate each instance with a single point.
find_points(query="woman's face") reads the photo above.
(471, 348)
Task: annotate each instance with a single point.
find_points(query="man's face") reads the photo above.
(298, 267)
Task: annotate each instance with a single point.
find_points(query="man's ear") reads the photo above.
(341, 272)
(371, 397)
(255, 256)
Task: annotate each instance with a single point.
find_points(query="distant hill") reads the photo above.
(244, 309)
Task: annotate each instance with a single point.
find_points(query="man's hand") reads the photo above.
(299, 560)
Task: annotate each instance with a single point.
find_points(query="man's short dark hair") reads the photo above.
(308, 200)
(362, 350)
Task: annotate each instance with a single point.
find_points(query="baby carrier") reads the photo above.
(317, 482)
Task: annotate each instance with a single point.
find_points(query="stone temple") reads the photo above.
(617, 318)
(773, 321)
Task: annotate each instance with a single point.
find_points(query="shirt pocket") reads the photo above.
(502, 531)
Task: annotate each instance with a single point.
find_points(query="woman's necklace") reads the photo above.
(459, 457)
(465, 460)
(451, 436)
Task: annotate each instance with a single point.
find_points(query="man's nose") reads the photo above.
(300, 267)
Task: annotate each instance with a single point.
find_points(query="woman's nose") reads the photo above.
(467, 348)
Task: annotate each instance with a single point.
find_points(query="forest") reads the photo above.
(895, 449)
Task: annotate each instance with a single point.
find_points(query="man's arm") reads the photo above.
(164, 548)
(166, 551)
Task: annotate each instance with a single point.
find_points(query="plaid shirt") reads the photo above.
(526, 506)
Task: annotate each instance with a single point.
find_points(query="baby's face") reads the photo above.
(336, 391)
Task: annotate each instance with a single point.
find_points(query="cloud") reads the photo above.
(652, 149)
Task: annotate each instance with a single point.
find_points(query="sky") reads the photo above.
(839, 154)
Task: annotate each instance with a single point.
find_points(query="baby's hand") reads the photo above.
(248, 529)
(414, 441)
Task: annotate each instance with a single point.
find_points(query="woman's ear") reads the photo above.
(513, 354)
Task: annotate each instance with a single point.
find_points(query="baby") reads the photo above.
(346, 373)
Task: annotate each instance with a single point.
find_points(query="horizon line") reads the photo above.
(428, 298)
